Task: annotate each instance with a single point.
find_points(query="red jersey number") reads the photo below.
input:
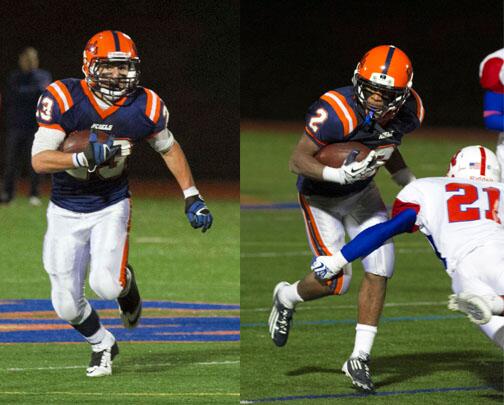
(455, 204)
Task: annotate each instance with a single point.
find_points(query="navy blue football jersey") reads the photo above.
(338, 117)
(68, 105)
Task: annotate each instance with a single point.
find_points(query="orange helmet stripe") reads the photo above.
(420, 108)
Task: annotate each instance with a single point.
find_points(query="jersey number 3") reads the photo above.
(458, 213)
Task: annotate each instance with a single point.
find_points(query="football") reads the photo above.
(77, 141)
(335, 154)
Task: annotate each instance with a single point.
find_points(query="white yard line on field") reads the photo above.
(207, 363)
(126, 394)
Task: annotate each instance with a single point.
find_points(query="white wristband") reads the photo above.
(79, 160)
(189, 192)
(403, 176)
(336, 175)
(339, 260)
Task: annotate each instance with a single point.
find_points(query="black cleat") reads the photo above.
(357, 369)
(130, 305)
(101, 361)
(280, 320)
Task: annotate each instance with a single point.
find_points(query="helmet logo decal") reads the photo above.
(92, 48)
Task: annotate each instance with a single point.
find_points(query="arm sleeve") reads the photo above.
(493, 110)
(161, 141)
(373, 237)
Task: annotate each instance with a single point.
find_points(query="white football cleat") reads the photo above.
(475, 306)
(101, 360)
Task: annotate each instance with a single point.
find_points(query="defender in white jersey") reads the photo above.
(462, 216)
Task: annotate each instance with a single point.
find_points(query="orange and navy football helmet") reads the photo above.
(385, 70)
(109, 49)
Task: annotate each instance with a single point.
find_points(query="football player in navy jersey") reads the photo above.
(377, 111)
(89, 213)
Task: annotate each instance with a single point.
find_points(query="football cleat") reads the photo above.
(357, 369)
(130, 305)
(476, 308)
(280, 320)
(101, 360)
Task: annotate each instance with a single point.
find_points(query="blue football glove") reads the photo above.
(198, 213)
(97, 153)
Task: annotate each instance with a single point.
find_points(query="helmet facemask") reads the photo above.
(393, 98)
(101, 79)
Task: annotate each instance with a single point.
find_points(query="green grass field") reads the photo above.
(421, 346)
(173, 262)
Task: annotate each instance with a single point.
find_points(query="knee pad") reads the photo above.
(67, 308)
(340, 284)
(104, 285)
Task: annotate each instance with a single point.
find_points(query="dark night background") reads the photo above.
(190, 56)
(292, 52)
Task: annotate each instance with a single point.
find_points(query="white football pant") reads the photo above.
(481, 272)
(73, 242)
(327, 219)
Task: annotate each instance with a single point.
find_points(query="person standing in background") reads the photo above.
(24, 87)
(491, 73)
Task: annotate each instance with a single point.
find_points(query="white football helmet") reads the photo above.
(475, 163)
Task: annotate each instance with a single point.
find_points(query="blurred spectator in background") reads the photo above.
(491, 73)
(24, 87)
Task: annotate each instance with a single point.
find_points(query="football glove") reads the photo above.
(325, 267)
(97, 153)
(355, 171)
(197, 213)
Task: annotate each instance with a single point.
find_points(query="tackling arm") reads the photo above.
(326, 267)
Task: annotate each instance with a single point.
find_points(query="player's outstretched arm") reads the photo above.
(197, 212)
(370, 239)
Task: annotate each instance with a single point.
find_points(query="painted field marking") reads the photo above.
(126, 394)
(389, 304)
(361, 395)
(204, 363)
(32, 321)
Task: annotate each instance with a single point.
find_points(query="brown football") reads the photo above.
(77, 141)
(335, 154)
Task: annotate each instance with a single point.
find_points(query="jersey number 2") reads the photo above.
(456, 213)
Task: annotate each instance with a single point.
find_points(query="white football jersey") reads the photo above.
(457, 215)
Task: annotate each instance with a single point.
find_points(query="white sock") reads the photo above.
(289, 296)
(107, 340)
(364, 338)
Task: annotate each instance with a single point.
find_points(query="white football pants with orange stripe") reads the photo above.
(75, 240)
(327, 219)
